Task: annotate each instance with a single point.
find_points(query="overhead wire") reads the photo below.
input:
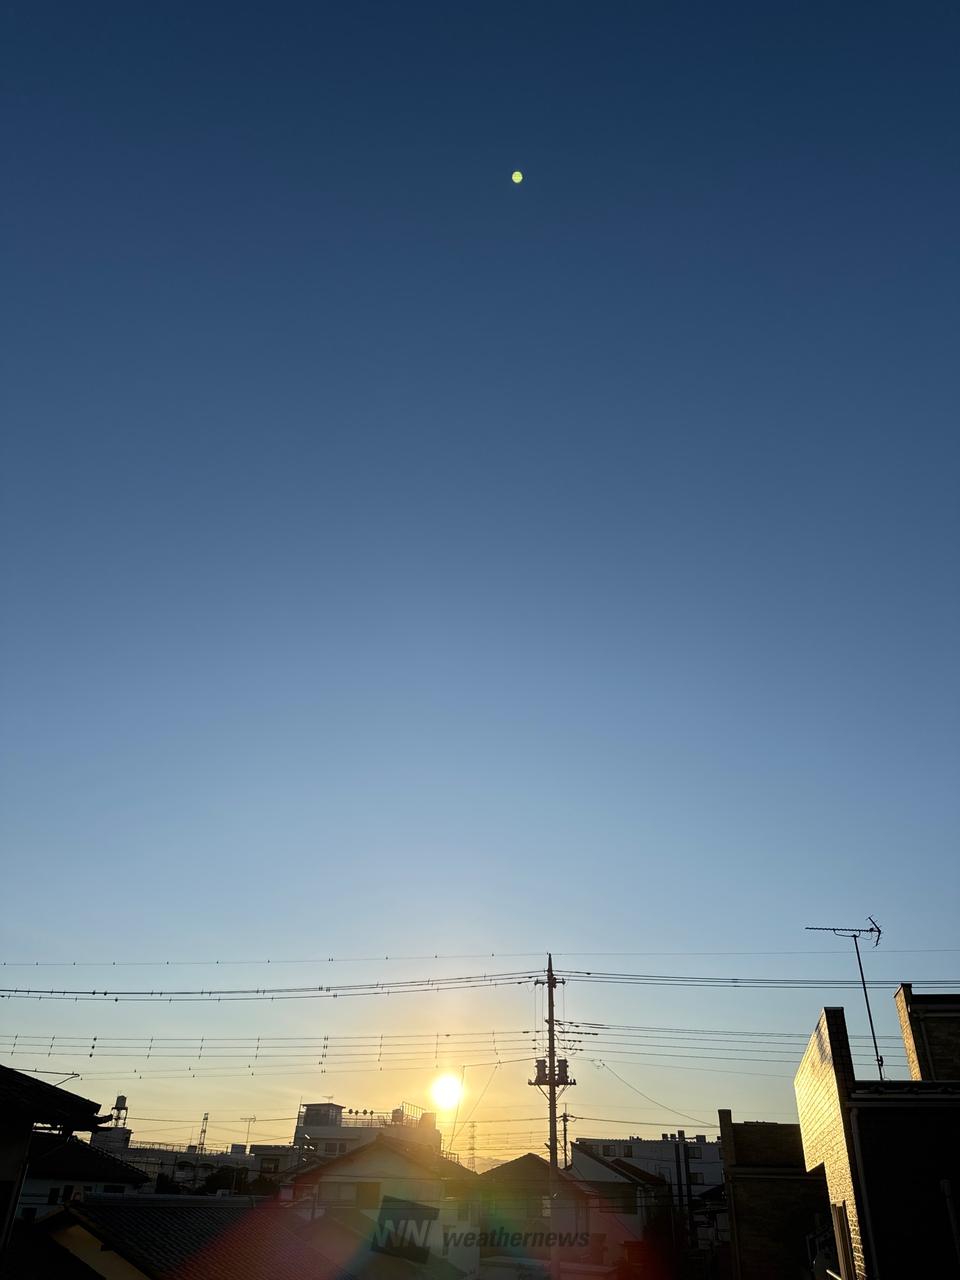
(435, 955)
(227, 994)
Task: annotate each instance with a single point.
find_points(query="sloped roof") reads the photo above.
(529, 1169)
(517, 1170)
(637, 1174)
(216, 1241)
(44, 1103)
(51, 1156)
(416, 1152)
(632, 1172)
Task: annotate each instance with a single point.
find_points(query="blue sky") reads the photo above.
(399, 559)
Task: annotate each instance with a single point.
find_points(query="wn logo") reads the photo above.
(403, 1229)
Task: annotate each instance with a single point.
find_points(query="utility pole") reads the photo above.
(564, 1118)
(203, 1133)
(552, 1076)
(250, 1120)
(873, 931)
(472, 1145)
(552, 1066)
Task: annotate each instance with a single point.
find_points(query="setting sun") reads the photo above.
(446, 1092)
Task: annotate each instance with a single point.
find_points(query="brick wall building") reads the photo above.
(888, 1151)
(930, 1026)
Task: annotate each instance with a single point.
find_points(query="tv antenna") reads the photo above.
(872, 931)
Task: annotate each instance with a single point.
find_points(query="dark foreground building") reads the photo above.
(27, 1104)
(778, 1212)
(888, 1147)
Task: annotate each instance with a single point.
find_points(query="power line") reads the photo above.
(682, 1114)
(332, 991)
(700, 980)
(457, 983)
(436, 955)
(433, 1036)
(627, 1026)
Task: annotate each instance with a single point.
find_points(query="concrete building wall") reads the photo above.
(659, 1156)
(40, 1197)
(776, 1207)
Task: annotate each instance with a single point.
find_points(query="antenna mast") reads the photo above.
(874, 931)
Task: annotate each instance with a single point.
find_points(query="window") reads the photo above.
(628, 1152)
(331, 1147)
(338, 1192)
(368, 1195)
(68, 1193)
(53, 1195)
(696, 1178)
(607, 1149)
(695, 1153)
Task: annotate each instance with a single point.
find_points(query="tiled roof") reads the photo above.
(45, 1103)
(51, 1156)
(218, 1241)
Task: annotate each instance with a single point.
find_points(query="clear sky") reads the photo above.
(398, 559)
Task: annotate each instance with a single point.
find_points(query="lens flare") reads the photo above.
(517, 176)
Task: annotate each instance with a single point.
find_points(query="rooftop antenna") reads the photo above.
(874, 932)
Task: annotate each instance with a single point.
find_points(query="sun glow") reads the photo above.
(446, 1092)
